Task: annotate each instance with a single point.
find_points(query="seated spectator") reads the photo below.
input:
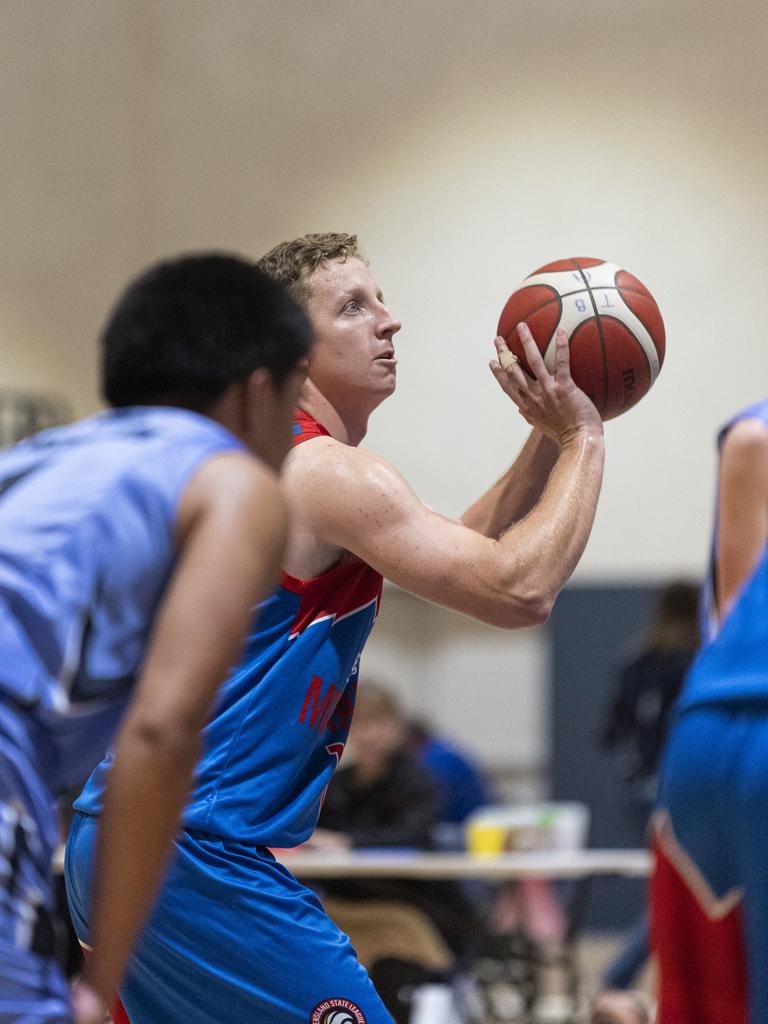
(381, 795)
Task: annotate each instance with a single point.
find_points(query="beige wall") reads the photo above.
(467, 144)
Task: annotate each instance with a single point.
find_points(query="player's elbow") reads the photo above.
(162, 737)
(521, 608)
(515, 594)
(538, 608)
(532, 609)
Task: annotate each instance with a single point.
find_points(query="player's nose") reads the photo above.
(389, 325)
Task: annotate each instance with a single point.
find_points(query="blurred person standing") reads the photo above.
(648, 685)
(636, 727)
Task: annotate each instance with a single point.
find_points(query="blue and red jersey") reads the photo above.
(282, 718)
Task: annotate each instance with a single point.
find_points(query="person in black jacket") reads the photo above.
(648, 685)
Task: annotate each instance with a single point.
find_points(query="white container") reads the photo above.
(433, 1004)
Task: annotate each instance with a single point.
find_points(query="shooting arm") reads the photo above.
(361, 503)
(513, 496)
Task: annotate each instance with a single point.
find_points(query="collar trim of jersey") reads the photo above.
(305, 427)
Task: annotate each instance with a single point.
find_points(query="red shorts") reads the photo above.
(701, 960)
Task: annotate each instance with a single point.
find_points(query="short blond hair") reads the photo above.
(292, 263)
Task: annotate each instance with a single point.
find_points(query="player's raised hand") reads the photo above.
(549, 401)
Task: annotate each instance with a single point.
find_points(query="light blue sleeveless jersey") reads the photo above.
(87, 516)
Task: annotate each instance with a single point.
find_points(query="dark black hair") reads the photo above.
(187, 328)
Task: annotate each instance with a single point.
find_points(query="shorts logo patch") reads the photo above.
(337, 1011)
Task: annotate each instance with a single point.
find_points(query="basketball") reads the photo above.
(614, 327)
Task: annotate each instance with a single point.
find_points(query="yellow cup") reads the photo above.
(486, 839)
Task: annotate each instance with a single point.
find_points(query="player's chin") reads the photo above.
(381, 392)
(387, 382)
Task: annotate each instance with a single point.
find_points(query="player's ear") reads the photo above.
(257, 383)
(244, 404)
(257, 396)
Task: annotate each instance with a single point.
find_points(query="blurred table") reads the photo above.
(551, 864)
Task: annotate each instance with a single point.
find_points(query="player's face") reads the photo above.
(354, 352)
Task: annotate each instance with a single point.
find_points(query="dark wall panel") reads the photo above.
(593, 630)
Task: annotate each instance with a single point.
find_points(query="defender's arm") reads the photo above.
(232, 529)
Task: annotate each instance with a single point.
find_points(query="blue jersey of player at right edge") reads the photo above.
(732, 663)
(282, 718)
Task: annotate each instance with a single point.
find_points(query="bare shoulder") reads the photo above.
(745, 448)
(340, 497)
(231, 484)
(325, 467)
(747, 435)
(232, 476)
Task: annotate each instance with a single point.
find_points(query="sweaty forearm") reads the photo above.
(148, 786)
(545, 547)
(513, 496)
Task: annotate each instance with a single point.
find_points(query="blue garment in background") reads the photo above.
(463, 786)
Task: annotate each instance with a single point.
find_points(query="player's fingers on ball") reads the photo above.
(508, 385)
(510, 388)
(506, 357)
(562, 355)
(510, 363)
(498, 372)
(532, 353)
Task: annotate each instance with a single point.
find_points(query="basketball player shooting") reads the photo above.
(234, 937)
(132, 547)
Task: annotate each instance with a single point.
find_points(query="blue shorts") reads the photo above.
(32, 988)
(714, 798)
(233, 937)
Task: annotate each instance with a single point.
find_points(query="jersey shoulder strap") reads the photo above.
(306, 427)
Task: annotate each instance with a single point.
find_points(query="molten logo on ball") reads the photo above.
(614, 327)
(337, 1011)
